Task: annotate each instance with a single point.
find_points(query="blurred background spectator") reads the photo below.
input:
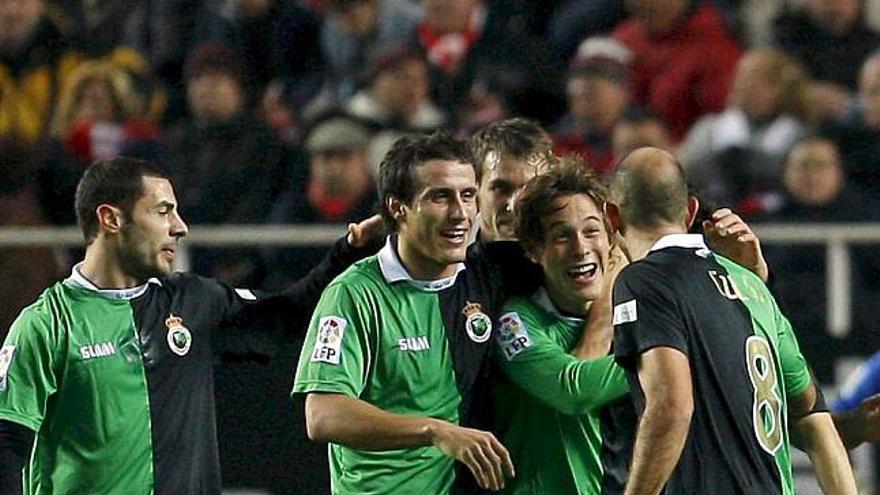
(336, 186)
(831, 39)
(24, 272)
(636, 128)
(597, 92)
(858, 131)
(684, 59)
(739, 152)
(226, 165)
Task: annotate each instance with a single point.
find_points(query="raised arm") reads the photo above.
(350, 421)
(665, 378)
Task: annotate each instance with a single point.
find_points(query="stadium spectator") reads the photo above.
(398, 93)
(24, 272)
(831, 39)
(597, 90)
(739, 152)
(816, 190)
(574, 20)
(226, 164)
(684, 59)
(339, 188)
(35, 61)
(352, 30)
(858, 132)
(475, 76)
(99, 116)
(637, 128)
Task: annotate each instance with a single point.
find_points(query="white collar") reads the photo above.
(77, 279)
(394, 271)
(542, 299)
(687, 241)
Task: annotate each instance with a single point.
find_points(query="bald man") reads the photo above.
(714, 367)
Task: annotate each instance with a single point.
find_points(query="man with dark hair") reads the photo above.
(713, 365)
(106, 381)
(508, 153)
(395, 357)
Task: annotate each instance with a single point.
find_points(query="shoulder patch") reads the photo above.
(513, 335)
(6, 354)
(328, 342)
(625, 312)
(246, 294)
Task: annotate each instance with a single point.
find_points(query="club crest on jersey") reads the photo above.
(179, 337)
(6, 354)
(513, 336)
(478, 325)
(328, 342)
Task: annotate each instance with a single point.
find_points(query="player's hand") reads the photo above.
(866, 418)
(480, 451)
(367, 231)
(732, 237)
(596, 338)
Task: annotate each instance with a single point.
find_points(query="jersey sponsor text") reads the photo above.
(414, 343)
(102, 349)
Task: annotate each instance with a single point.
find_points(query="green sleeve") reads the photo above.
(28, 368)
(336, 354)
(546, 371)
(795, 371)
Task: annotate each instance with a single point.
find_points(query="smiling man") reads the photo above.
(396, 352)
(106, 381)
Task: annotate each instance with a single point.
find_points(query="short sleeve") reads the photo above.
(646, 315)
(336, 355)
(28, 362)
(795, 371)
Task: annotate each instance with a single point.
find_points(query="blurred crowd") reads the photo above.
(278, 111)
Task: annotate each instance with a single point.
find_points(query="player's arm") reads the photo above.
(665, 378)
(16, 442)
(544, 370)
(812, 430)
(350, 421)
(731, 237)
(287, 312)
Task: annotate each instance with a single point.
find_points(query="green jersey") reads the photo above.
(547, 414)
(406, 347)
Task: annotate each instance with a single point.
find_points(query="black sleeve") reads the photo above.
(255, 322)
(16, 442)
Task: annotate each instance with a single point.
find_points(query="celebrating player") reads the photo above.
(716, 371)
(111, 370)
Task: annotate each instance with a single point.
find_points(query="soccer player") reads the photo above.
(395, 356)
(106, 381)
(714, 367)
(508, 153)
(565, 414)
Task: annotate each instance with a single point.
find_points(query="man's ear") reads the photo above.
(110, 218)
(612, 218)
(693, 207)
(396, 209)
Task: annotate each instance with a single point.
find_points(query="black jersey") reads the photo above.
(744, 362)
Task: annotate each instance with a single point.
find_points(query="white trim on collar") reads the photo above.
(542, 298)
(77, 279)
(687, 241)
(394, 271)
